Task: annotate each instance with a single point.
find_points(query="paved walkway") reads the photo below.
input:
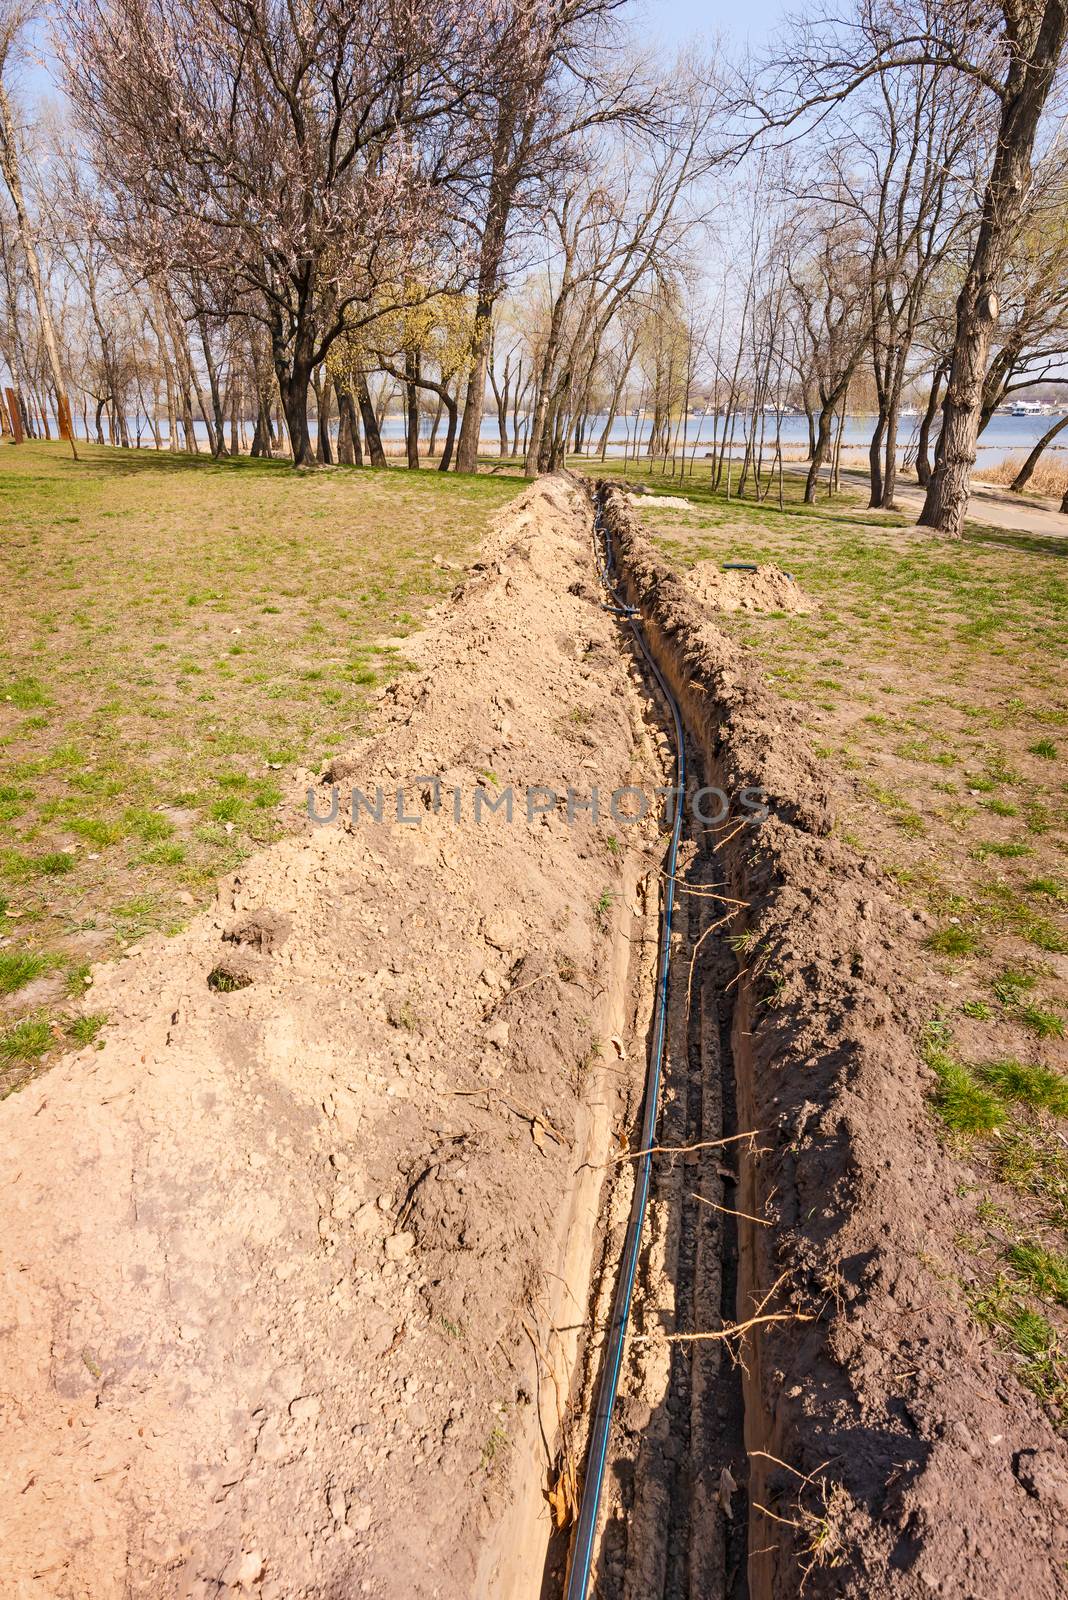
(989, 503)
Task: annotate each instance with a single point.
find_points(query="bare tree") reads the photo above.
(918, 155)
(609, 235)
(1034, 40)
(13, 18)
(829, 276)
(289, 161)
(547, 85)
(1011, 49)
(1031, 337)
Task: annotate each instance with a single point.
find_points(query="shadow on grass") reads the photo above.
(1032, 544)
(112, 461)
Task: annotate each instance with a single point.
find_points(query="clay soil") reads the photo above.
(306, 1269)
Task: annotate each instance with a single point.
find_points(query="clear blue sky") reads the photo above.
(674, 22)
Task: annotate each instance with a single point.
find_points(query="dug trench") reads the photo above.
(307, 1269)
(889, 1447)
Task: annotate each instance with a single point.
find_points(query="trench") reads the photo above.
(670, 1525)
(673, 1514)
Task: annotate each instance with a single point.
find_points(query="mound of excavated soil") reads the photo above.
(895, 1449)
(769, 588)
(663, 502)
(277, 1256)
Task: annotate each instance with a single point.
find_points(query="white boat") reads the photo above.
(1028, 408)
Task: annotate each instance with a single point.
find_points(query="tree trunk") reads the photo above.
(157, 437)
(158, 325)
(489, 271)
(517, 402)
(110, 375)
(1028, 82)
(294, 386)
(1023, 477)
(875, 458)
(349, 449)
(452, 407)
(500, 395)
(613, 407)
(294, 374)
(467, 450)
(554, 443)
(260, 443)
(370, 423)
(810, 419)
(16, 355)
(819, 450)
(897, 383)
(182, 365)
(217, 431)
(205, 415)
(836, 459)
(535, 456)
(432, 442)
(411, 407)
(324, 387)
(923, 442)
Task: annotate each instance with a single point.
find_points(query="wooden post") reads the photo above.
(15, 415)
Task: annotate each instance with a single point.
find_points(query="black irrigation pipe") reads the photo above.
(578, 1577)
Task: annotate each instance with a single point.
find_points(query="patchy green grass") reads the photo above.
(1009, 985)
(1001, 1306)
(1046, 1271)
(1032, 1159)
(1040, 1021)
(24, 1043)
(602, 909)
(180, 634)
(964, 1105)
(1051, 888)
(20, 967)
(953, 941)
(1037, 1087)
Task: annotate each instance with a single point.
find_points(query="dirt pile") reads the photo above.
(278, 1256)
(661, 502)
(894, 1451)
(764, 588)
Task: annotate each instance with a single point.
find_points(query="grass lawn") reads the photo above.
(934, 676)
(176, 635)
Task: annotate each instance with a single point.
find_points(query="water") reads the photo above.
(1003, 436)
